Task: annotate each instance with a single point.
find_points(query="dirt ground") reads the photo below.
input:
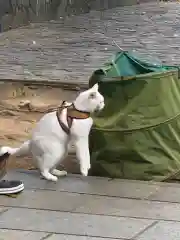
(20, 108)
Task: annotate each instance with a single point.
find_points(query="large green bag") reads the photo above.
(137, 135)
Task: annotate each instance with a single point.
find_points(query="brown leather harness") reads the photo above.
(72, 113)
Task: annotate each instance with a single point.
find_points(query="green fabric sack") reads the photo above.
(137, 135)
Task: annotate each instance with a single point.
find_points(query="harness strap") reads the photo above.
(72, 113)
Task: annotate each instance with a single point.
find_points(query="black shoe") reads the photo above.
(10, 187)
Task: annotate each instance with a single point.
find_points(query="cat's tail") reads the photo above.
(6, 152)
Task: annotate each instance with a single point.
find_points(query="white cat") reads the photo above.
(50, 138)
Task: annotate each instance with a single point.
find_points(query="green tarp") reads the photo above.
(137, 135)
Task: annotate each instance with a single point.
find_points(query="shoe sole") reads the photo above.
(17, 189)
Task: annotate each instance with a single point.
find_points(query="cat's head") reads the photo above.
(90, 100)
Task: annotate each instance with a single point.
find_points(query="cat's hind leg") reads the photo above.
(60, 173)
(47, 156)
(49, 162)
(45, 163)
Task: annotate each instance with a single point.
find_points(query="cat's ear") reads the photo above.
(92, 95)
(95, 87)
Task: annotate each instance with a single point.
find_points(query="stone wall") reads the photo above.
(15, 13)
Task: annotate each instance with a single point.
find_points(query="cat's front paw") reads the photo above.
(89, 166)
(84, 171)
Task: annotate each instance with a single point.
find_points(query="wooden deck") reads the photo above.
(90, 209)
